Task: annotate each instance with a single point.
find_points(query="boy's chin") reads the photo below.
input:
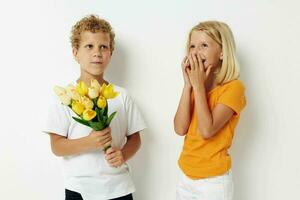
(94, 72)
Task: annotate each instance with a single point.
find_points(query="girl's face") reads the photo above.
(210, 51)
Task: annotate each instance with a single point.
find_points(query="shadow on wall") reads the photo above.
(119, 73)
(118, 68)
(245, 134)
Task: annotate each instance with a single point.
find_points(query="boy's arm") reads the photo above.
(61, 146)
(132, 146)
(182, 117)
(116, 157)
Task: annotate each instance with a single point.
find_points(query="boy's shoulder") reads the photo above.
(123, 92)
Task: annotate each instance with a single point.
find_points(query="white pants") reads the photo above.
(213, 188)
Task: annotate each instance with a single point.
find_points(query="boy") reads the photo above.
(90, 173)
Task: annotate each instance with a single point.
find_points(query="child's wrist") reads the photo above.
(187, 87)
(124, 155)
(86, 145)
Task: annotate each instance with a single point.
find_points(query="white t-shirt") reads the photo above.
(89, 173)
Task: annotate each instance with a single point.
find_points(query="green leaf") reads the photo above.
(110, 118)
(97, 126)
(99, 114)
(105, 109)
(81, 121)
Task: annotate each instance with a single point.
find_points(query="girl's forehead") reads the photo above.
(199, 35)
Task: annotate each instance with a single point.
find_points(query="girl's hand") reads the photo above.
(197, 73)
(114, 157)
(185, 65)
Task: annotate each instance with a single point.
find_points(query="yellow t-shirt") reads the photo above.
(202, 158)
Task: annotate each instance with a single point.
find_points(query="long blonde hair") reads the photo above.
(221, 33)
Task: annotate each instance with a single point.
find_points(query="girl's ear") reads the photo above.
(75, 54)
(221, 56)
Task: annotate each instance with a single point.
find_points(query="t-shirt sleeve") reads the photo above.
(135, 121)
(57, 119)
(234, 97)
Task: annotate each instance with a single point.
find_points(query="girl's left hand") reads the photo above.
(114, 157)
(197, 73)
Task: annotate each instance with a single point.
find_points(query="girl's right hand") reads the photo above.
(184, 66)
(100, 139)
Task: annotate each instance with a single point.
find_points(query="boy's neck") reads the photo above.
(87, 79)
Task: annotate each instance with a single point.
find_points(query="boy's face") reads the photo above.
(94, 52)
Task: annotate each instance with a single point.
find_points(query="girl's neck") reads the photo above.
(211, 83)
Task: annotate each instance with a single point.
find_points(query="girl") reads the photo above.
(208, 112)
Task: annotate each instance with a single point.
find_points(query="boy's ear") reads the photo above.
(75, 51)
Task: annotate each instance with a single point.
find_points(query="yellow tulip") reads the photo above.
(88, 103)
(108, 91)
(72, 92)
(103, 86)
(88, 114)
(101, 103)
(77, 107)
(82, 88)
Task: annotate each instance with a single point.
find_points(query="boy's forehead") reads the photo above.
(97, 36)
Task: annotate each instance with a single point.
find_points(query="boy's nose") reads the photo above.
(97, 53)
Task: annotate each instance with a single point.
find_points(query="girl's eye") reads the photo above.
(204, 45)
(89, 46)
(192, 46)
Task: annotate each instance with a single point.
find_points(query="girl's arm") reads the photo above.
(182, 117)
(209, 122)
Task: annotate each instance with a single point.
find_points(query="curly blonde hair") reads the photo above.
(221, 33)
(93, 24)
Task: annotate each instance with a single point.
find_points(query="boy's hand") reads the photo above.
(100, 139)
(114, 157)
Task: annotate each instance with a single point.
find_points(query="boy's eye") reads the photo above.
(88, 46)
(103, 47)
(204, 45)
(192, 46)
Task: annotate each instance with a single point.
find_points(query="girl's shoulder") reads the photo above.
(234, 84)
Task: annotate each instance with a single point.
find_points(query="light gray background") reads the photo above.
(150, 40)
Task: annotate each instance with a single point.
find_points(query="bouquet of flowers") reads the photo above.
(89, 103)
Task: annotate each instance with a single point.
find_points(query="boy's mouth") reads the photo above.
(96, 63)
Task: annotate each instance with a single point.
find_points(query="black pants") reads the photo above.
(71, 195)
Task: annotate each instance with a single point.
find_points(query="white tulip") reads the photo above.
(95, 84)
(93, 93)
(65, 99)
(72, 92)
(59, 90)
